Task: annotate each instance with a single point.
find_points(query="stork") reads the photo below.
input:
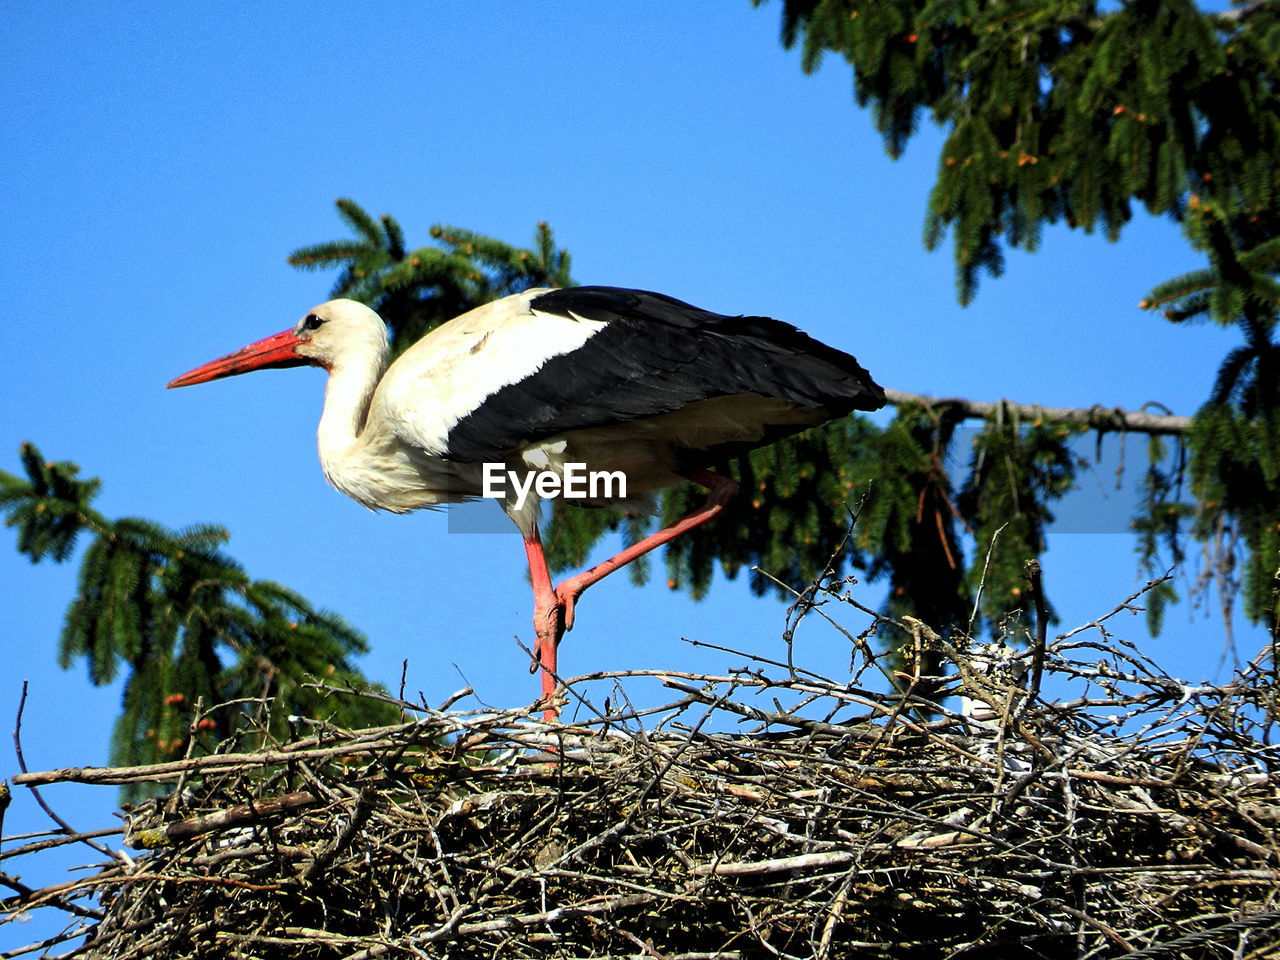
(607, 378)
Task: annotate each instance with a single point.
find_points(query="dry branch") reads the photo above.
(768, 812)
(1098, 417)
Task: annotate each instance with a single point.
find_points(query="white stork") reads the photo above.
(613, 379)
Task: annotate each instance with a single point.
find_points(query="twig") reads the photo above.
(982, 583)
(22, 765)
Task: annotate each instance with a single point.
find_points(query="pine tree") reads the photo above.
(207, 653)
(1067, 113)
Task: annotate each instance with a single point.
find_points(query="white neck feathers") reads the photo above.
(352, 381)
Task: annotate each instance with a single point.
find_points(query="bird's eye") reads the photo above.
(312, 322)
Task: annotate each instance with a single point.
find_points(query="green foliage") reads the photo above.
(1233, 461)
(1077, 113)
(417, 290)
(1234, 479)
(1015, 473)
(184, 622)
(50, 508)
(909, 522)
(1161, 523)
(1057, 112)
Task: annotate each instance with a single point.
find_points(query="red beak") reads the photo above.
(273, 351)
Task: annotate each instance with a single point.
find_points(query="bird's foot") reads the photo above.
(550, 621)
(548, 628)
(544, 661)
(567, 599)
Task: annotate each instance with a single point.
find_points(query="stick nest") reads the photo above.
(768, 812)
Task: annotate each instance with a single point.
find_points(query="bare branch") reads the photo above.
(1097, 417)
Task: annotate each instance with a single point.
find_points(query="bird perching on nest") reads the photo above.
(607, 380)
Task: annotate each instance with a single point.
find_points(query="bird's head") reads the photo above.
(327, 336)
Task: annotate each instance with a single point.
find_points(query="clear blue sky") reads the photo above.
(159, 162)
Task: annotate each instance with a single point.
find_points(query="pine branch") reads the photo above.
(1096, 417)
(322, 256)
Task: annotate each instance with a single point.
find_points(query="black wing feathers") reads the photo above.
(656, 355)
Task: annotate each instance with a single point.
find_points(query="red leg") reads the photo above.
(721, 491)
(554, 609)
(548, 622)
